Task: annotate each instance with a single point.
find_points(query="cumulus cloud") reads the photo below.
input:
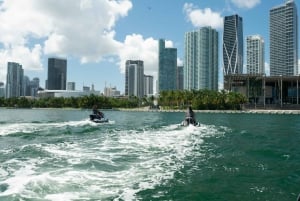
(245, 3)
(203, 17)
(135, 47)
(84, 29)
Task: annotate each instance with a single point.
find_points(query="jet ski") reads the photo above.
(98, 119)
(189, 121)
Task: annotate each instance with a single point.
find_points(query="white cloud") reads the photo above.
(203, 17)
(135, 47)
(84, 29)
(245, 3)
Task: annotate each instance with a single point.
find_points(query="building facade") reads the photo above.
(284, 39)
(201, 59)
(134, 78)
(167, 67)
(255, 55)
(180, 78)
(57, 74)
(14, 80)
(71, 86)
(148, 85)
(233, 45)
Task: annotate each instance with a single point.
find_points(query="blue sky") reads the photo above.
(98, 36)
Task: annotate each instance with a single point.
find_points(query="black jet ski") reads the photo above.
(189, 121)
(97, 119)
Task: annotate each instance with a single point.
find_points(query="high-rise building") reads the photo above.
(2, 89)
(180, 78)
(34, 86)
(71, 86)
(148, 85)
(284, 39)
(57, 74)
(167, 67)
(201, 59)
(255, 55)
(233, 45)
(14, 80)
(134, 78)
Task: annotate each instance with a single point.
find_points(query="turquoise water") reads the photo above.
(51, 154)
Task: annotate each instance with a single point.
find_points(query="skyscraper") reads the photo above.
(255, 55)
(201, 59)
(57, 74)
(284, 39)
(134, 78)
(148, 85)
(14, 80)
(167, 67)
(180, 78)
(233, 45)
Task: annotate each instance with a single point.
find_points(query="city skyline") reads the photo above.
(133, 32)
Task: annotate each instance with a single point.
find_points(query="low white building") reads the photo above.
(65, 93)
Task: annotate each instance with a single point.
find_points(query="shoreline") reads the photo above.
(245, 111)
(249, 111)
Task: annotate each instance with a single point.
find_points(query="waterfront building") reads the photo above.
(284, 39)
(134, 78)
(180, 78)
(57, 74)
(167, 67)
(34, 86)
(2, 90)
(255, 55)
(111, 92)
(148, 85)
(233, 45)
(201, 59)
(14, 80)
(71, 86)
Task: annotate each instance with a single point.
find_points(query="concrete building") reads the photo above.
(148, 85)
(57, 74)
(134, 78)
(71, 86)
(167, 67)
(14, 80)
(180, 78)
(233, 45)
(201, 59)
(284, 39)
(255, 55)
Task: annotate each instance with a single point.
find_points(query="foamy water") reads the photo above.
(109, 165)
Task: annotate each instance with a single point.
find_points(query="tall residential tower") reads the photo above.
(233, 45)
(134, 78)
(167, 67)
(284, 39)
(14, 80)
(201, 59)
(255, 55)
(57, 74)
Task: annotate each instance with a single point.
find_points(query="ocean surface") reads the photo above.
(59, 155)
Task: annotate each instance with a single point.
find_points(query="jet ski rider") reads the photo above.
(98, 113)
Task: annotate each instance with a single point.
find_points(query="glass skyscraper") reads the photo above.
(167, 67)
(57, 74)
(14, 80)
(255, 55)
(201, 59)
(284, 39)
(134, 78)
(233, 45)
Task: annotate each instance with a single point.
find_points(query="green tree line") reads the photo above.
(71, 102)
(202, 99)
(180, 99)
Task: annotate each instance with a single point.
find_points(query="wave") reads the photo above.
(33, 127)
(116, 165)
